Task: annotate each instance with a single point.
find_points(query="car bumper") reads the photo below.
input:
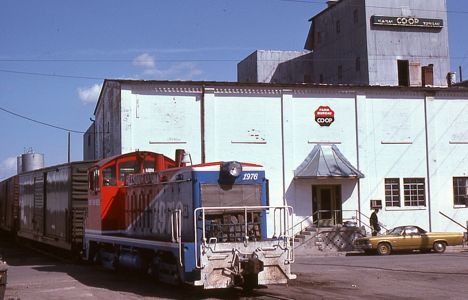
(363, 246)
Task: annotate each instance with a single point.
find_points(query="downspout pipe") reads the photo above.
(202, 125)
(282, 149)
(428, 173)
(356, 124)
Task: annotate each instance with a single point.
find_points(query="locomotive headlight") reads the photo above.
(231, 168)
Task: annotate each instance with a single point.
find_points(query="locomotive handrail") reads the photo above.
(282, 222)
(176, 234)
(287, 231)
(283, 231)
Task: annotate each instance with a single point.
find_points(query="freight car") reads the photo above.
(9, 192)
(204, 225)
(47, 206)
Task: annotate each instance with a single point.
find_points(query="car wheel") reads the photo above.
(384, 249)
(439, 247)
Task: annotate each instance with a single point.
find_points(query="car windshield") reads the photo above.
(396, 231)
(407, 230)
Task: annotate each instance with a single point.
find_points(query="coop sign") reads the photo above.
(324, 116)
(407, 22)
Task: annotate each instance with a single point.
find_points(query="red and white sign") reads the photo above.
(324, 116)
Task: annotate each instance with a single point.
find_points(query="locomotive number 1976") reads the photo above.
(250, 176)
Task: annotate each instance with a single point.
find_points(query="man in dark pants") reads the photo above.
(374, 222)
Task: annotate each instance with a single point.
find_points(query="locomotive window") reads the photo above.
(108, 176)
(94, 180)
(215, 195)
(128, 167)
(148, 166)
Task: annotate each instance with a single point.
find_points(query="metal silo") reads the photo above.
(19, 164)
(32, 161)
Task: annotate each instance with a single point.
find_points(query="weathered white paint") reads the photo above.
(381, 131)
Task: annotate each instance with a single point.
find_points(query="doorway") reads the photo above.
(326, 205)
(403, 73)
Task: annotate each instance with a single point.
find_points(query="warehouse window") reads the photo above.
(414, 191)
(392, 192)
(460, 191)
(340, 72)
(338, 27)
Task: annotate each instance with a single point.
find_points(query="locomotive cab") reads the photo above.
(106, 194)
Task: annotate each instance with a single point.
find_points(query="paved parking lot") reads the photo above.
(402, 276)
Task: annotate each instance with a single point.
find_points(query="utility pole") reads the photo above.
(69, 147)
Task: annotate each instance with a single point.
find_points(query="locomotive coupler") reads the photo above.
(250, 266)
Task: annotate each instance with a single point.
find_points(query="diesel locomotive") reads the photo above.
(204, 224)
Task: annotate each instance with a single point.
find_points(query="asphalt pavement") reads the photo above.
(350, 275)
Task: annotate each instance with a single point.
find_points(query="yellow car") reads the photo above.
(409, 238)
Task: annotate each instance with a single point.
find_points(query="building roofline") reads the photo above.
(431, 89)
(287, 85)
(325, 10)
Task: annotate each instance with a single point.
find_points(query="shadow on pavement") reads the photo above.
(98, 277)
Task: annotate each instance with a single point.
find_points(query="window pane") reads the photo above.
(108, 176)
(148, 166)
(128, 167)
(392, 192)
(414, 191)
(460, 197)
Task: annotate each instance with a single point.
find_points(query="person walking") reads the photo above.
(374, 222)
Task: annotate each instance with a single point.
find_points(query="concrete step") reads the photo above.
(327, 240)
(310, 229)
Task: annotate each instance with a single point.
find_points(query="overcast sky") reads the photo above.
(55, 54)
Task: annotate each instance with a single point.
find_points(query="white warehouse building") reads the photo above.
(332, 152)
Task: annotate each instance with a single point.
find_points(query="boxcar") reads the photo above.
(9, 205)
(53, 204)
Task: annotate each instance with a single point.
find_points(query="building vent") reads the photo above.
(451, 79)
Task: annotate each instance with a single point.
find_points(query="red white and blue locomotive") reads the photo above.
(204, 225)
